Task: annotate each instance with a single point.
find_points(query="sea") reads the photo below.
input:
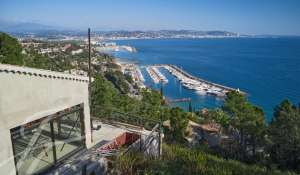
(267, 69)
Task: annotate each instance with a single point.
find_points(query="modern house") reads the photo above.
(44, 118)
(45, 125)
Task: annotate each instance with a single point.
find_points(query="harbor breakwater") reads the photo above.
(194, 83)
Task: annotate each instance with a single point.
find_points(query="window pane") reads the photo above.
(33, 142)
(67, 133)
(33, 147)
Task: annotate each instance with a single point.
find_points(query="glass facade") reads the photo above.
(67, 133)
(41, 144)
(32, 147)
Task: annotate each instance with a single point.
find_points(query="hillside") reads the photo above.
(178, 160)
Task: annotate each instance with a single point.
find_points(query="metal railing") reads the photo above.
(118, 118)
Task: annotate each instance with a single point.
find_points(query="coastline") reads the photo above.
(125, 61)
(167, 38)
(229, 62)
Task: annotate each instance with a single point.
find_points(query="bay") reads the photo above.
(268, 69)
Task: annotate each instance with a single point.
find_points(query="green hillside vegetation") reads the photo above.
(283, 136)
(108, 102)
(11, 53)
(10, 50)
(177, 160)
(119, 80)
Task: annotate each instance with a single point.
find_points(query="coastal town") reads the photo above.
(65, 35)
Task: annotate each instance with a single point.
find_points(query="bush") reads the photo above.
(10, 50)
(179, 160)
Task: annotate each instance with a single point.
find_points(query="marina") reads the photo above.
(156, 75)
(202, 87)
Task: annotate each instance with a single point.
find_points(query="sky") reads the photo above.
(279, 17)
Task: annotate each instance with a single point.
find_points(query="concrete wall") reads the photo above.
(29, 94)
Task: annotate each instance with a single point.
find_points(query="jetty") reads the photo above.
(156, 75)
(140, 75)
(201, 86)
(135, 72)
(180, 100)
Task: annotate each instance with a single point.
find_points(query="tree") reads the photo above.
(254, 126)
(150, 104)
(125, 104)
(10, 50)
(247, 119)
(129, 78)
(103, 93)
(190, 106)
(119, 81)
(220, 117)
(11, 53)
(33, 59)
(178, 123)
(284, 136)
(235, 106)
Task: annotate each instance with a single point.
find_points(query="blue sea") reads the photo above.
(268, 69)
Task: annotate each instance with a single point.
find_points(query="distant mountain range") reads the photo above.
(41, 30)
(14, 27)
(20, 28)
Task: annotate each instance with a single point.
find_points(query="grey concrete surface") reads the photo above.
(28, 94)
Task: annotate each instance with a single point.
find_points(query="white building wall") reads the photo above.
(29, 94)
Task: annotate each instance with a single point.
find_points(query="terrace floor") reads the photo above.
(92, 157)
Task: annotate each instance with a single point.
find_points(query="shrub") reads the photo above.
(180, 160)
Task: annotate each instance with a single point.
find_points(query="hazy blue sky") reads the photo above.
(244, 16)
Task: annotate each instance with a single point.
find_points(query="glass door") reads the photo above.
(40, 144)
(33, 147)
(68, 134)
